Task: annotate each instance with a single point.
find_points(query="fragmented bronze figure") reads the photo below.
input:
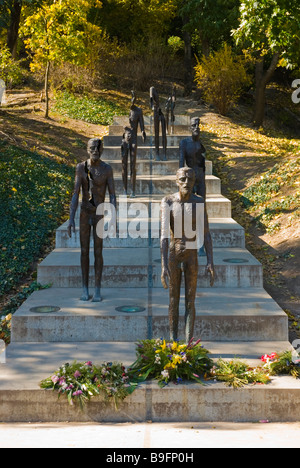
(179, 254)
(129, 144)
(92, 178)
(158, 119)
(170, 109)
(192, 154)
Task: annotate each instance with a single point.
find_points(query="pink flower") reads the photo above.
(77, 374)
(54, 379)
(89, 363)
(78, 392)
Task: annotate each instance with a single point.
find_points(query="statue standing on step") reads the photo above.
(192, 154)
(92, 178)
(129, 144)
(158, 119)
(170, 109)
(184, 224)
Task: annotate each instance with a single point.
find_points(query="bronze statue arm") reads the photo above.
(209, 249)
(111, 189)
(165, 273)
(181, 155)
(74, 201)
(164, 244)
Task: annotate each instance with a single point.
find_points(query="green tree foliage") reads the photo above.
(270, 30)
(58, 32)
(210, 21)
(222, 77)
(136, 20)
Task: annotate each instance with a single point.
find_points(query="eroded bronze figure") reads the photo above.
(192, 154)
(170, 111)
(92, 178)
(158, 121)
(129, 144)
(179, 251)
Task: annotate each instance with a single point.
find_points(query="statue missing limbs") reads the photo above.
(92, 178)
(170, 109)
(158, 119)
(129, 145)
(184, 226)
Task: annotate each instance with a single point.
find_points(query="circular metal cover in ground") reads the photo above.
(235, 260)
(130, 309)
(46, 309)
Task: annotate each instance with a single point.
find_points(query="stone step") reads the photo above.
(61, 268)
(155, 168)
(217, 205)
(144, 152)
(175, 130)
(157, 184)
(180, 119)
(172, 140)
(225, 233)
(233, 314)
(21, 399)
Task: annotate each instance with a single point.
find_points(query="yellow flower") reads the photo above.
(174, 346)
(177, 359)
(14, 189)
(162, 348)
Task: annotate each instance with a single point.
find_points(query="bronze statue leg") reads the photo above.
(156, 134)
(85, 231)
(125, 168)
(133, 152)
(190, 278)
(164, 136)
(174, 294)
(98, 249)
(200, 187)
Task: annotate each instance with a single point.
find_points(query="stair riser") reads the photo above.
(220, 238)
(242, 276)
(118, 130)
(134, 327)
(175, 403)
(156, 168)
(146, 187)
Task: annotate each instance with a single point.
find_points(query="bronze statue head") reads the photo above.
(195, 126)
(185, 180)
(95, 149)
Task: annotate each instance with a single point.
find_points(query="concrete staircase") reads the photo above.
(234, 318)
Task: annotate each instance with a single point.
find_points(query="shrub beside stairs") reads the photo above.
(235, 318)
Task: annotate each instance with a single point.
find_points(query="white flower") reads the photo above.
(165, 374)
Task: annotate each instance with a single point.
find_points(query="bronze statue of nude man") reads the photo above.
(179, 254)
(92, 177)
(192, 154)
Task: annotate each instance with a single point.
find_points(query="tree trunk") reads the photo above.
(13, 30)
(261, 80)
(188, 73)
(47, 90)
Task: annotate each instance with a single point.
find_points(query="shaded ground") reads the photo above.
(238, 152)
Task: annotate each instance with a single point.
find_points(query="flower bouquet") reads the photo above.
(5, 328)
(79, 382)
(169, 361)
(283, 363)
(236, 373)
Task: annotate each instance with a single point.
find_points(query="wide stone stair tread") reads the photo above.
(225, 232)
(233, 314)
(234, 267)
